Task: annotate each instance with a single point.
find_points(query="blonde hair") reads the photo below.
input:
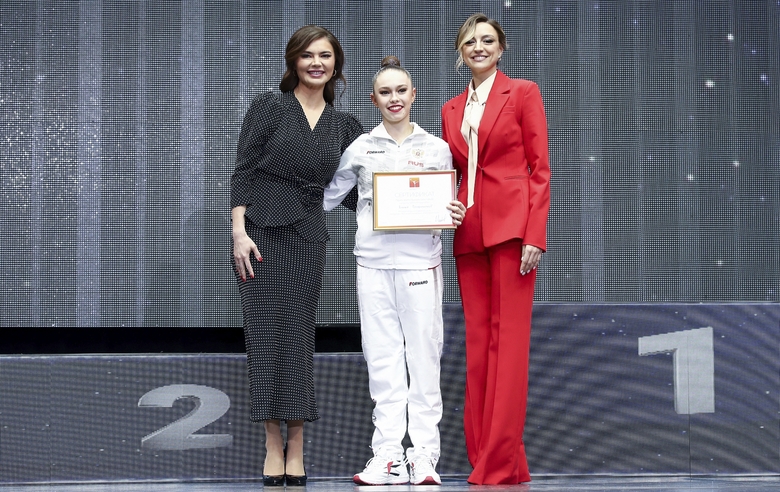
(467, 29)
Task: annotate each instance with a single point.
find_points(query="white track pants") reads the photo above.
(402, 329)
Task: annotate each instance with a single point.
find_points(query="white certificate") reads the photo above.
(410, 200)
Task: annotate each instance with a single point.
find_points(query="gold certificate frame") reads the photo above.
(413, 200)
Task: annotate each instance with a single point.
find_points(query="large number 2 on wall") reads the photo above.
(210, 405)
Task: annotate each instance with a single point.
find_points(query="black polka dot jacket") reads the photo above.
(283, 165)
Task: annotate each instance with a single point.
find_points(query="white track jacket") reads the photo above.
(378, 152)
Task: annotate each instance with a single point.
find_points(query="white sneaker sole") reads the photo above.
(399, 481)
(427, 481)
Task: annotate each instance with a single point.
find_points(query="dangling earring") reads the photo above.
(334, 73)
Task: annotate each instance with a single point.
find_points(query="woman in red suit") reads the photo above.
(497, 132)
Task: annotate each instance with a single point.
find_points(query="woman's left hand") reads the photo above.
(457, 212)
(530, 260)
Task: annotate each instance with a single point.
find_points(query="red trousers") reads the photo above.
(497, 304)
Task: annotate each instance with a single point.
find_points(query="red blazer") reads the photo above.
(512, 192)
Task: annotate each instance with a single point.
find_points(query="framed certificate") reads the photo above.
(409, 200)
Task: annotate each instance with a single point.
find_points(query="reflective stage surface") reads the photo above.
(543, 484)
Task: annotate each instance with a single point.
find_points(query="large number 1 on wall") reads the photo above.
(694, 367)
(210, 405)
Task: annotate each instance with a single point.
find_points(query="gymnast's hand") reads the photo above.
(530, 260)
(457, 212)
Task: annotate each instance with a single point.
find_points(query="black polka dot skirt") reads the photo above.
(280, 307)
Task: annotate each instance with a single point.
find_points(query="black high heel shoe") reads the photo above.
(273, 480)
(295, 480)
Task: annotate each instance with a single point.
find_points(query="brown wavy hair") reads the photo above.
(299, 41)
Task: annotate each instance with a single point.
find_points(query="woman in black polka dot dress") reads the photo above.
(288, 150)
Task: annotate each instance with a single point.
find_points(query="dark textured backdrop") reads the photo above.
(120, 121)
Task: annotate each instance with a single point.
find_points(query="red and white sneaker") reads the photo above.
(422, 470)
(384, 470)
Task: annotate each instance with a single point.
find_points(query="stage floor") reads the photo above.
(557, 484)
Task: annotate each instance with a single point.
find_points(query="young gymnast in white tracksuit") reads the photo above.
(399, 286)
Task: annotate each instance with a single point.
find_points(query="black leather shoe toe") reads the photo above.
(273, 480)
(296, 481)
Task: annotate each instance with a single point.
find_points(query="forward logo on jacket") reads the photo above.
(421, 282)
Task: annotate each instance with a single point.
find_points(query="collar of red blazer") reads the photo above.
(499, 95)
